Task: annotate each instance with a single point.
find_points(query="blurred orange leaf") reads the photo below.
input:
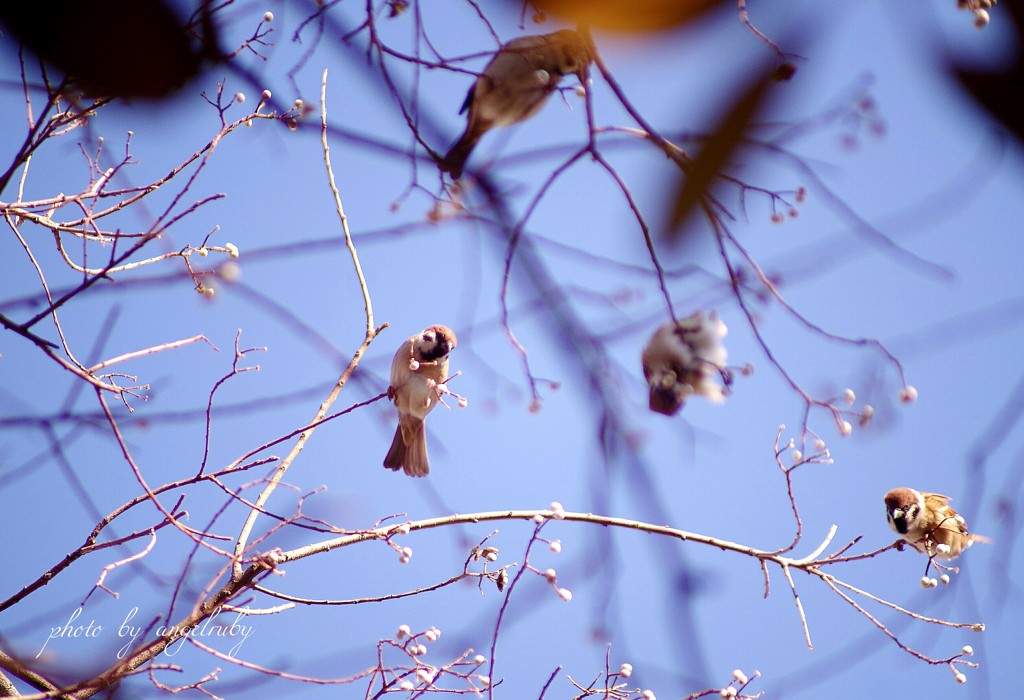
(619, 16)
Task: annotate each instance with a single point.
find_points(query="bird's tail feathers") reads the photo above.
(416, 461)
(396, 455)
(455, 159)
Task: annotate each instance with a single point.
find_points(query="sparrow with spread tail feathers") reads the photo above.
(684, 358)
(419, 367)
(928, 523)
(516, 84)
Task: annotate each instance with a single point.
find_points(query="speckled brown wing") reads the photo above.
(948, 528)
(515, 85)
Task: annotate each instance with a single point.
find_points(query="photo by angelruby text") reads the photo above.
(208, 628)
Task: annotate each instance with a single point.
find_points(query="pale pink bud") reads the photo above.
(485, 681)
(960, 678)
(944, 579)
(797, 456)
(407, 552)
(240, 97)
(430, 635)
(565, 594)
(403, 631)
(550, 575)
(426, 675)
(413, 365)
(981, 19)
(849, 396)
(845, 428)
(648, 695)
(538, 518)
(740, 677)
(268, 17)
(819, 445)
(406, 684)
(626, 670)
(727, 692)
(404, 528)
(230, 272)
(908, 394)
(463, 402)
(968, 649)
(776, 218)
(555, 546)
(557, 511)
(266, 95)
(479, 659)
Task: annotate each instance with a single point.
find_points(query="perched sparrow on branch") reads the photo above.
(684, 358)
(419, 367)
(928, 523)
(516, 84)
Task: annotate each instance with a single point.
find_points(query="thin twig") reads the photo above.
(371, 333)
(341, 209)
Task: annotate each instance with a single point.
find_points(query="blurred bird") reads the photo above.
(516, 84)
(928, 523)
(420, 365)
(683, 358)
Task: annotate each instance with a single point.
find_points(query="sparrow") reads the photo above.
(516, 84)
(684, 358)
(419, 368)
(928, 523)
